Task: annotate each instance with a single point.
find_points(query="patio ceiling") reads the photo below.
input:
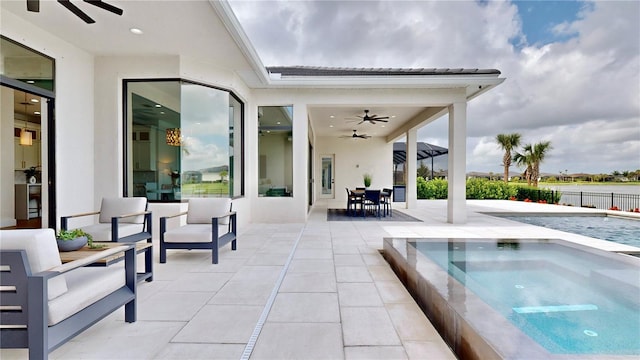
(336, 121)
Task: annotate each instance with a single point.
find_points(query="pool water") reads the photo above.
(568, 300)
(621, 230)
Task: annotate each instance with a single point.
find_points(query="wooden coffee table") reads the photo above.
(141, 247)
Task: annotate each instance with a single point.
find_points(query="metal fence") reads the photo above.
(596, 200)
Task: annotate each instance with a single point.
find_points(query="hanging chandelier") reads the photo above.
(173, 136)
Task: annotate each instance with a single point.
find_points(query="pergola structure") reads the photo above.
(425, 151)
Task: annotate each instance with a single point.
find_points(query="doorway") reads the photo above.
(27, 120)
(24, 133)
(328, 176)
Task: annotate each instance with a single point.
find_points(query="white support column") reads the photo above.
(457, 202)
(300, 146)
(411, 191)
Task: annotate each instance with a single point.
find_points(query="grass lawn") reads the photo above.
(206, 188)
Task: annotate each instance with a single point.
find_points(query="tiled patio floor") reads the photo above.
(319, 290)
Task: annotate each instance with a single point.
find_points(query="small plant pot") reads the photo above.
(71, 245)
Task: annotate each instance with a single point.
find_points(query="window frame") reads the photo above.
(127, 192)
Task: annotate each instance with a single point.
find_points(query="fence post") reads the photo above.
(611, 199)
(580, 198)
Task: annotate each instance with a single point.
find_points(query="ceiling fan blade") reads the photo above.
(79, 13)
(33, 5)
(105, 6)
(380, 118)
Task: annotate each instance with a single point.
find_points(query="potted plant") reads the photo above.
(71, 240)
(31, 174)
(367, 180)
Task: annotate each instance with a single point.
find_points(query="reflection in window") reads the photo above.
(186, 141)
(275, 134)
(20, 63)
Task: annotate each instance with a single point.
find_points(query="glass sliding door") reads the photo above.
(27, 137)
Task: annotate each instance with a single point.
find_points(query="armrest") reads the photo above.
(163, 223)
(172, 216)
(90, 259)
(230, 213)
(64, 219)
(132, 214)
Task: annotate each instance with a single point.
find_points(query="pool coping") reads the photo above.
(580, 239)
(443, 309)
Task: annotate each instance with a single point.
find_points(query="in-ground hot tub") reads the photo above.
(523, 298)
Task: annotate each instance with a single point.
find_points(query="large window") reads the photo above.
(185, 140)
(275, 150)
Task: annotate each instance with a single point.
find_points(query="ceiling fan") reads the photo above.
(372, 118)
(34, 6)
(355, 135)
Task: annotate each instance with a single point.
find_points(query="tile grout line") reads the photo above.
(267, 308)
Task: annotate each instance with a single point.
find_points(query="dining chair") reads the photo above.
(353, 200)
(386, 201)
(372, 200)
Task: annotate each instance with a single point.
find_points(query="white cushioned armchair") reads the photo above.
(45, 303)
(121, 219)
(211, 224)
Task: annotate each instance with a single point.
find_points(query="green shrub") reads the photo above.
(536, 194)
(432, 189)
(489, 189)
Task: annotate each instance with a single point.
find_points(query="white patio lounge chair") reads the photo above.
(210, 225)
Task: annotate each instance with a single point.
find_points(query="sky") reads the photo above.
(572, 68)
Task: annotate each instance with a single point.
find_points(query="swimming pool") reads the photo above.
(612, 228)
(525, 298)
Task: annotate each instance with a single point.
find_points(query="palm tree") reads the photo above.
(525, 159)
(507, 142)
(539, 153)
(531, 157)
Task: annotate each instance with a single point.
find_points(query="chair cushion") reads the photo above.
(201, 210)
(102, 232)
(86, 286)
(193, 233)
(120, 206)
(42, 253)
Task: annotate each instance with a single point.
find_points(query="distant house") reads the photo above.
(192, 177)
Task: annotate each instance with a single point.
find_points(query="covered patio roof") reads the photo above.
(425, 151)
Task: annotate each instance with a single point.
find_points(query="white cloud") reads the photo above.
(583, 93)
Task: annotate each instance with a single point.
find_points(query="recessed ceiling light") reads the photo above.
(161, 112)
(35, 100)
(392, 116)
(330, 125)
(383, 125)
(332, 116)
(278, 122)
(136, 31)
(36, 112)
(30, 82)
(158, 105)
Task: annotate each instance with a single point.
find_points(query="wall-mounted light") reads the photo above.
(173, 136)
